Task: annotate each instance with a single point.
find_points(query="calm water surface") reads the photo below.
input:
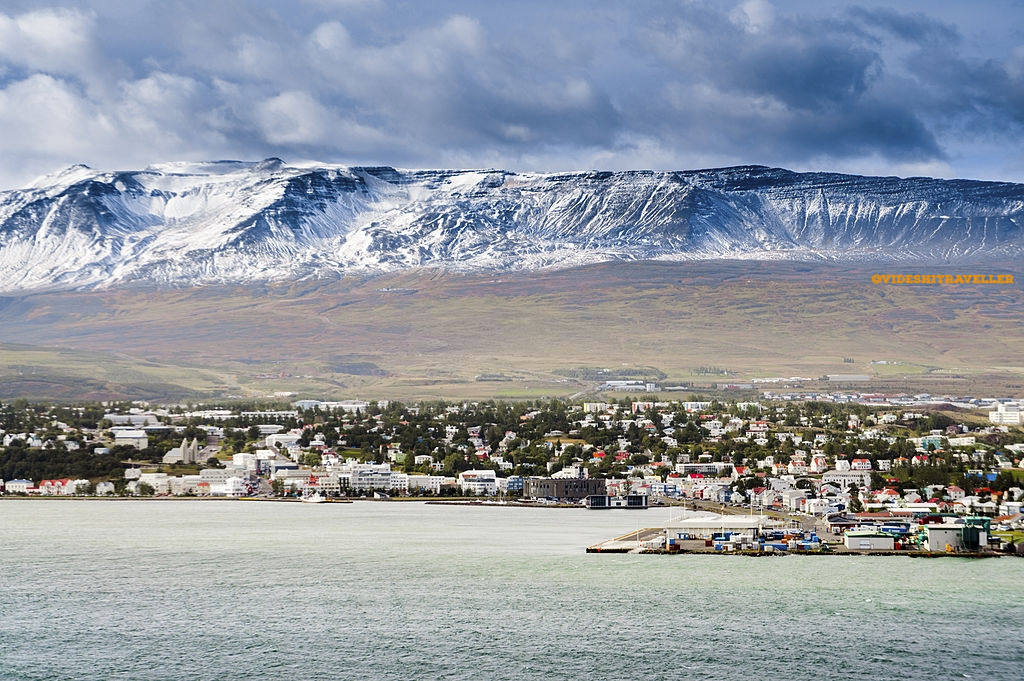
(250, 590)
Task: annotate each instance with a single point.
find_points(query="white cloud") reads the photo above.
(51, 117)
(52, 40)
(297, 118)
(293, 118)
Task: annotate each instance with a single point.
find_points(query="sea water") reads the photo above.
(168, 590)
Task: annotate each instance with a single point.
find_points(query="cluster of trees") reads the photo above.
(18, 460)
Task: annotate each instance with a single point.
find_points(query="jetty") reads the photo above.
(710, 533)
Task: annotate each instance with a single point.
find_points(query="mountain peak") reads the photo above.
(67, 176)
(184, 223)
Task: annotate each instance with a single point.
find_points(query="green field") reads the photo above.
(424, 334)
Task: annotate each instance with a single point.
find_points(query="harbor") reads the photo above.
(757, 535)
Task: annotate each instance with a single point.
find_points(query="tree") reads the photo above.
(855, 504)
(144, 489)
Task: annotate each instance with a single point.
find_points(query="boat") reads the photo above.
(314, 498)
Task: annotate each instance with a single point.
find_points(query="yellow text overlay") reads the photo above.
(941, 278)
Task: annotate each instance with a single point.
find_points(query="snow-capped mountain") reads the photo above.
(188, 223)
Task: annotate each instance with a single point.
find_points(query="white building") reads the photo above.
(158, 481)
(819, 464)
(232, 487)
(63, 487)
(187, 452)
(869, 540)
(217, 476)
(131, 437)
(135, 418)
(282, 440)
(576, 471)
(478, 482)
(184, 485)
(399, 481)
(843, 479)
(244, 460)
(427, 483)
(939, 537)
(19, 486)
(1007, 414)
(817, 506)
(365, 477)
(792, 499)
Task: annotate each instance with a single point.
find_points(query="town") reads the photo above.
(874, 472)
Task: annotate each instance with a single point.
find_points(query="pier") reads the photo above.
(640, 541)
(702, 532)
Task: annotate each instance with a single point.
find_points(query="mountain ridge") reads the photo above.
(183, 224)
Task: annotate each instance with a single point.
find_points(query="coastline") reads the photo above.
(640, 542)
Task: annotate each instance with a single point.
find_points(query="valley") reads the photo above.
(425, 333)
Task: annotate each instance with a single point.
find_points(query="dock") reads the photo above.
(709, 533)
(639, 541)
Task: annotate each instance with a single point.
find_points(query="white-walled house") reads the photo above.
(19, 486)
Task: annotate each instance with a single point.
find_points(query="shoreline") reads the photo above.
(780, 554)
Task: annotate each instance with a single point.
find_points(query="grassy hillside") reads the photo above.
(426, 334)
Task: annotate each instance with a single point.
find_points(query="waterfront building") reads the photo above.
(869, 540)
(478, 482)
(568, 489)
(603, 501)
(427, 483)
(947, 537)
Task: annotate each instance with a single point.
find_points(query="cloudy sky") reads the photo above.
(925, 87)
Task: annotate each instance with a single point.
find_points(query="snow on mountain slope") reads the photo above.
(228, 221)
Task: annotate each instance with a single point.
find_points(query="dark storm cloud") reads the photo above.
(925, 88)
(789, 88)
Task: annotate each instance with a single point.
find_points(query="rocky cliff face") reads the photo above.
(186, 224)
